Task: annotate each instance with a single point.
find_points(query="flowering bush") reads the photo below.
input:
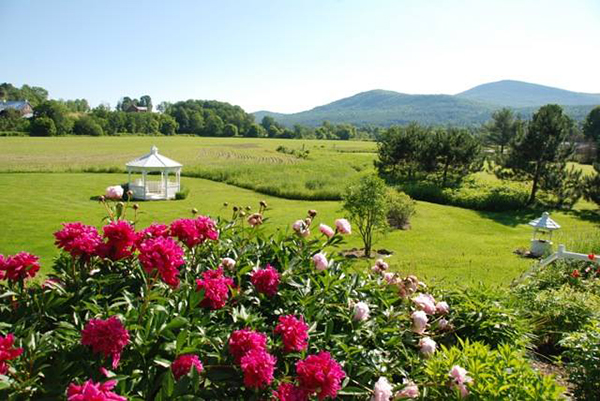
(187, 312)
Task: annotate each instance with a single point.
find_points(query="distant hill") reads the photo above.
(469, 108)
(524, 94)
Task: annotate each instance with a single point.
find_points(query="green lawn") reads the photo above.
(447, 244)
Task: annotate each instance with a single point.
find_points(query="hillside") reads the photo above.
(469, 108)
(524, 94)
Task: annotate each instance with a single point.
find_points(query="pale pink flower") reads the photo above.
(325, 229)
(389, 277)
(464, 391)
(115, 192)
(382, 390)
(410, 391)
(425, 302)
(343, 226)
(320, 261)
(428, 346)
(361, 311)
(443, 324)
(442, 308)
(459, 375)
(419, 321)
(301, 228)
(228, 263)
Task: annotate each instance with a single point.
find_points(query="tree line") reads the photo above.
(537, 151)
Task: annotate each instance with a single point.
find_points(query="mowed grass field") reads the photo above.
(251, 163)
(446, 244)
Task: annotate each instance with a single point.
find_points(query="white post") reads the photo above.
(144, 177)
(166, 183)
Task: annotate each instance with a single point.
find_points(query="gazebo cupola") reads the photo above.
(148, 186)
(541, 242)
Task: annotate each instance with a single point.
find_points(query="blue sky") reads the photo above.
(287, 56)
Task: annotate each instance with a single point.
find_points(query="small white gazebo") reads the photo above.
(542, 226)
(150, 165)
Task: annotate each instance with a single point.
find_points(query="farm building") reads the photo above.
(22, 106)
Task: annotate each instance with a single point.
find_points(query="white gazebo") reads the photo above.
(542, 226)
(150, 165)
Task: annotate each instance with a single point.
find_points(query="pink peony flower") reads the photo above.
(419, 321)
(289, 392)
(428, 346)
(243, 341)
(361, 311)
(294, 333)
(258, 367)
(326, 230)
(255, 219)
(108, 337)
(115, 192)
(343, 226)
(443, 324)
(425, 302)
(78, 239)
(382, 390)
(389, 278)
(154, 230)
(164, 255)
(320, 261)
(459, 375)
(410, 391)
(182, 365)
(216, 288)
(90, 391)
(266, 280)
(320, 374)
(196, 231)
(8, 352)
(301, 228)
(464, 391)
(442, 308)
(228, 263)
(121, 239)
(19, 267)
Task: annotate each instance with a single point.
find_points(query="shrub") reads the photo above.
(87, 126)
(182, 193)
(43, 126)
(581, 356)
(501, 374)
(488, 315)
(400, 208)
(472, 194)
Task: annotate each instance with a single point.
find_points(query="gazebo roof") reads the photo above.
(544, 223)
(153, 160)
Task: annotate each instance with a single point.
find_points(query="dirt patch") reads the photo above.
(356, 253)
(560, 374)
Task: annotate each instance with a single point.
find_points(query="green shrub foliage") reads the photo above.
(581, 358)
(400, 208)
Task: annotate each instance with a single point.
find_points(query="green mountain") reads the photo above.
(469, 108)
(523, 94)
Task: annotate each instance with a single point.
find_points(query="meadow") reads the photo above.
(47, 181)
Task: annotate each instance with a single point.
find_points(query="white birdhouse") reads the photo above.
(541, 242)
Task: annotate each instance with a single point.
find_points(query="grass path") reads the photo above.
(446, 244)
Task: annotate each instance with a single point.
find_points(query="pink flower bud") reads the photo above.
(428, 346)
(442, 308)
(228, 263)
(320, 261)
(419, 321)
(115, 192)
(410, 391)
(326, 230)
(361, 311)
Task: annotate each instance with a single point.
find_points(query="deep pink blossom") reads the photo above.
(320, 374)
(266, 280)
(90, 391)
(216, 288)
(193, 232)
(19, 267)
(182, 365)
(8, 352)
(78, 239)
(245, 340)
(294, 333)
(120, 241)
(164, 255)
(154, 230)
(289, 392)
(108, 337)
(258, 367)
